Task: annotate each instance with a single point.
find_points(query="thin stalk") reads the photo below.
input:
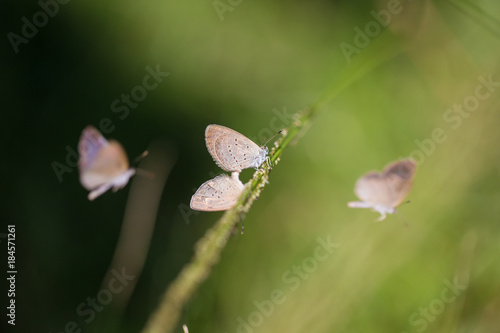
(208, 249)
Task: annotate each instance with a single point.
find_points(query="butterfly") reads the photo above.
(232, 151)
(383, 192)
(219, 193)
(103, 164)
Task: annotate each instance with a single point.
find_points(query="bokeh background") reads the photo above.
(250, 65)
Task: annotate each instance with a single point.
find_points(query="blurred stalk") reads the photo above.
(208, 249)
(478, 15)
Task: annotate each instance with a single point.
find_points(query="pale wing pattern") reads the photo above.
(89, 145)
(110, 162)
(399, 179)
(372, 189)
(220, 193)
(232, 151)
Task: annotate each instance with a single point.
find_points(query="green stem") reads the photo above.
(478, 15)
(209, 248)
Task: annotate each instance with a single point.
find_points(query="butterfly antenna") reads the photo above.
(265, 143)
(142, 172)
(145, 173)
(140, 157)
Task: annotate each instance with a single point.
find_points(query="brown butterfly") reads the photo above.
(383, 192)
(220, 193)
(103, 164)
(232, 151)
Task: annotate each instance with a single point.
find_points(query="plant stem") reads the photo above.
(209, 248)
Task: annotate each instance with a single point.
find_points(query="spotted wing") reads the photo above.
(220, 193)
(232, 151)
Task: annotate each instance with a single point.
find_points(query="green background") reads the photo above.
(263, 58)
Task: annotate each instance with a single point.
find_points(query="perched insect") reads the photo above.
(103, 164)
(233, 151)
(219, 193)
(383, 192)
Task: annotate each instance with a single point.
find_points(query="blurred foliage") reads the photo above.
(266, 58)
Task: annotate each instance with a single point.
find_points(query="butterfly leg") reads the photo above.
(358, 204)
(235, 175)
(98, 191)
(382, 217)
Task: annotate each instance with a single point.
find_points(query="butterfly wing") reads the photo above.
(373, 190)
(100, 161)
(90, 143)
(220, 193)
(399, 178)
(232, 151)
(389, 188)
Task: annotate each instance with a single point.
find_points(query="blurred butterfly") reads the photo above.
(383, 192)
(103, 164)
(232, 151)
(219, 193)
